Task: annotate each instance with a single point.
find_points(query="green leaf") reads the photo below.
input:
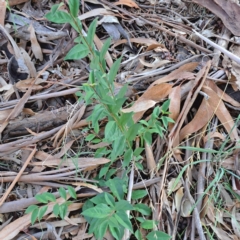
(104, 170)
(156, 235)
(144, 122)
(118, 147)
(127, 157)
(90, 137)
(99, 211)
(113, 71)
(56, 209)
(63, 210)
(143, 209)
(117, 232)
(138, 235)
(105, 48)
(112, 221)
(91, 77)
(109, 199)
(41, 212)
(137, 151)
(112, 131)
(126, 119)
(94, 223)
(123, 219)
(159, 129)
(57, 16)
(31, 208)
(101, 229)
(74, 7)
(116, 186)
(91, 31)
(133, 132)
(139, 166)
(138, 194)
(148, 224)
(62, 193)
(42, 198)
(98, 199)
(165, 121)
(72, 192)
(77, 52)
(148, 137)
(156, 112)
(77, 25)
(122, 92)
(49, 196)
(165, 106)
(87, 205)
(123, 205)
(34, 216)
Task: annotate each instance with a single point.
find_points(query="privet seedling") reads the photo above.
(107, 211)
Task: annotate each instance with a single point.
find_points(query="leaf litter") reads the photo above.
(191, 174)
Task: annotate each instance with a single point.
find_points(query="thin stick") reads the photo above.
(4, 197)
(129, 196)
(223, 50)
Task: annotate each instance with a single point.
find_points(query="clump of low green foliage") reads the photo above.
(108, 211)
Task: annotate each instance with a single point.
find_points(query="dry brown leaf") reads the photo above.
(41, 155)
(28, 62)
(64, 149)
(204, 207)
(24, 85)
(184, 72)
(174, 107)
(157, 93)
(140, 106)
(82, 184)
(145, 41)
(172, 186)
(37, 51)
(98, 145)
(150, 97)
(228, 11)
(224, 96)
(201, 118)
(155, 64)
(221, 234)
(94, 13)
(4, 114)
(151, 164)
(196, 87)
(222, 113)
(157, 48)
(186, 208)
(72, 162)
(178, 198)
(3, 5)
(129, 3)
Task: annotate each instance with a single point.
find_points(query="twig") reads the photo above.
(223, 50)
